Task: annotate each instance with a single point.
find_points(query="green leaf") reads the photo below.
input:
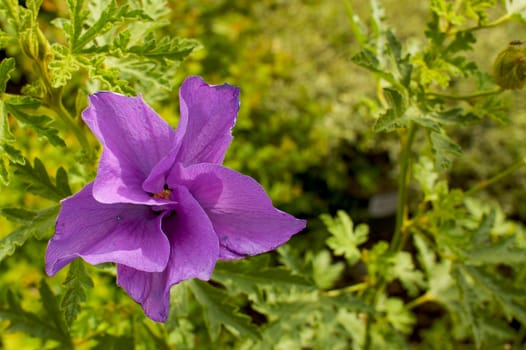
(397, 314)
(326, 272)
(14, 155)
(469, 300)
(219, 311)
(503, 252)
(345, 238)
(462, 41)
(368, 60)
(78, 16)
(164, 49)
(443, 147)
(113, 14)
(37, 225)
(348, 301)
(403, 64)
(29, 323)
(18, 214)
(395, 117)
(50, 302)
(40, 123)
(34, 6)
(4, 173)
(250, 276)
(455, 116)
(508, 296)
(63, 66)
(428, 123)
(482, 235)
(427, 178)
(8, 153)
(7, 66)
(61, 179)
(403, 269)
(76, 282)
(39, 182)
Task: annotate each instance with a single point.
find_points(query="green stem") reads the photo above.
(495, 23)
(402, 187)
(468, 96)
(419, 301)
(396, 242)
(54, 95)
(57, 106)
(350, 289)
(485, 183)
(354, 25)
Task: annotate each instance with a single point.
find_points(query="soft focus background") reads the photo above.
(304, 131)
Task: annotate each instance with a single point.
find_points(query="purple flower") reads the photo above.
(162, 206)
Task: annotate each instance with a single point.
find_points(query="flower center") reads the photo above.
(164, 194)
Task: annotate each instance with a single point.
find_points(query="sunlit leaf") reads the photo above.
(40, 183)
(37, 225)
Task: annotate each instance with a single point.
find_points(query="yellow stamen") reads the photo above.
(165, 194)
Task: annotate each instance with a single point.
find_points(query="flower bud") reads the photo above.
(510, 66)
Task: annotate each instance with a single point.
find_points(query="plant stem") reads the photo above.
(486, 182)
(419, 301)
(468, 96)
(495, 23)
(396, 242)
(55, 103)
(350, 289)
(402, 187)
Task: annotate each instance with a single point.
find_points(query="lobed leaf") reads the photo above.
(395, 117)
(368, 60)
(9, 153)
(36, 225)
(249, 276)
(38, 181)
(113, 14)
(504, 252)
(30, 323)
(76, 282)
(345, 237)
(63, 65)
(164, 49)
(219, 311)
(40, 123)
(18, 214)
(50, 302)
(7, 66)
(403, 64)
(403, 269)
(443, 147)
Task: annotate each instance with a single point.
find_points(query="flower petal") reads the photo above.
(134, 140)
(208, 114)
(123, 233)
(241, 212)
(194, 251)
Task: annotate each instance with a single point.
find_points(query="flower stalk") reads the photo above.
(403, 180)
